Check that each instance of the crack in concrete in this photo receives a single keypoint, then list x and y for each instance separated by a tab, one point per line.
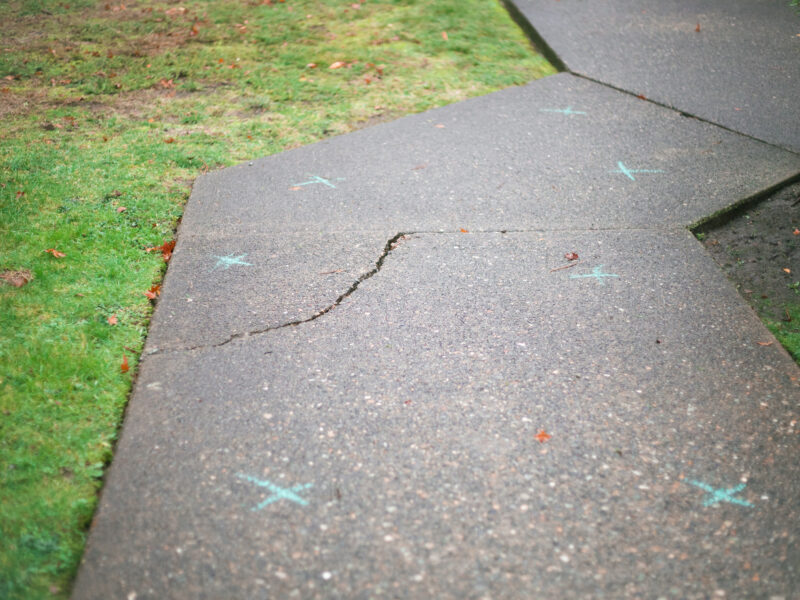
391	244
387	249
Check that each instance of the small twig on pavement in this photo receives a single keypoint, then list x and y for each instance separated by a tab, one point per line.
570	265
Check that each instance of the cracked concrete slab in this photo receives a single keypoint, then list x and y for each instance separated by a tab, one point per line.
389	448
560	153
221	286
741	69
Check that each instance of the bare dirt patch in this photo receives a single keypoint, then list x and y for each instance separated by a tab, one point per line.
375	119
759	249
17	278
14	103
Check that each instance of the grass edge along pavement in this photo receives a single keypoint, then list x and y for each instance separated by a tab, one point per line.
109	111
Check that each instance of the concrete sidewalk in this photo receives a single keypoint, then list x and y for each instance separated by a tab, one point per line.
373	373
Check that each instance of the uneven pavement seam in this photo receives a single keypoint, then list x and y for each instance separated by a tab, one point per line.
682	113
552	56
732	210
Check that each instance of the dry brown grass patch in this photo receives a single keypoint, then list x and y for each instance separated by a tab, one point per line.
17	278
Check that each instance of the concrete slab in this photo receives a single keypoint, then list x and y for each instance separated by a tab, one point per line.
560	153
740	70
389	448
228	284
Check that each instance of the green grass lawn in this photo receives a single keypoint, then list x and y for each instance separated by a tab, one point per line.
109	111
787	330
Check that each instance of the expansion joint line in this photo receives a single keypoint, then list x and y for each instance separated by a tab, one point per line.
387	249
683	113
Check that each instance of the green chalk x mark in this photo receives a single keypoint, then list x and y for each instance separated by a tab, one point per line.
278	493
228	261
720	495
322	180
563	111
596	273
629	172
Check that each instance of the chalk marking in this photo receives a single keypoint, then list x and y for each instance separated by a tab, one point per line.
720	495
228	261
629	172
278	493
318	179
565	111
596	273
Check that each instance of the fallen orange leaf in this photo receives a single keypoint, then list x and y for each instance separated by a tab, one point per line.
464	230
124	366
337	65
153	292
796	231
697	29
765	343
55	253
121	209
542	436
787	271
444	36
112	320
166	249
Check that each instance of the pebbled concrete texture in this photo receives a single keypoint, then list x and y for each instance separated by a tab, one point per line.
741	70
391	383
502	161
220	286
412	408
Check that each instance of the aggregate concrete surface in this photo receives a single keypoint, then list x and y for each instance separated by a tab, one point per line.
505	160
732	62
226	285
374	373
